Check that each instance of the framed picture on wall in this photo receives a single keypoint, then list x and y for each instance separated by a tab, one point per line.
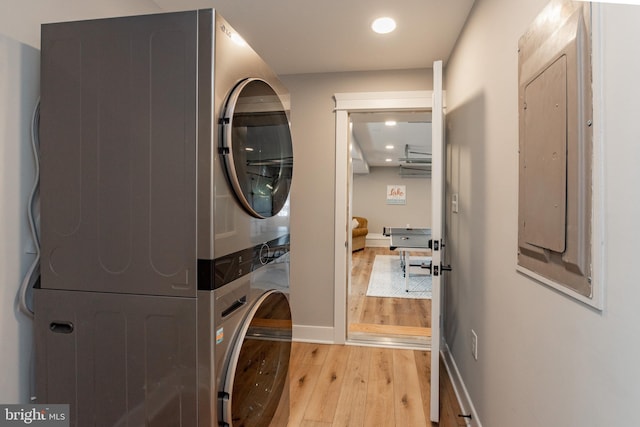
396	194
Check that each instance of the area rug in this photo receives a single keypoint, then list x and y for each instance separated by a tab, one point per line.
387	279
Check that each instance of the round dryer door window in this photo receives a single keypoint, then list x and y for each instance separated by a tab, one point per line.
256	147
256	385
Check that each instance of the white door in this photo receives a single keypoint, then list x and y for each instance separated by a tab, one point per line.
437	229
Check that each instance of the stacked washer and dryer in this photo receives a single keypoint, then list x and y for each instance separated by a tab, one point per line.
166	163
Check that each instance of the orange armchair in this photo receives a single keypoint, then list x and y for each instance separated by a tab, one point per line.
358	233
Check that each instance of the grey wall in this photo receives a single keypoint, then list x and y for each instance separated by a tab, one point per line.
544	359
369	200
312	192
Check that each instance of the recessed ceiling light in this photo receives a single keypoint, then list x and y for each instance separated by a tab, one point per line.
389	147
383	25
390	123
388	160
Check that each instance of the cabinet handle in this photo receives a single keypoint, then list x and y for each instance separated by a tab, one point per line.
61	327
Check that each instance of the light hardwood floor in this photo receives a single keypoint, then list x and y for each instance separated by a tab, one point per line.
365	386
356	386
384	317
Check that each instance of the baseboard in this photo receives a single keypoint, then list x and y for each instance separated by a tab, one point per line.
466	405
313	334
377	240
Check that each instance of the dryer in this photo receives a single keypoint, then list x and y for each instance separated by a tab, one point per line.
166	163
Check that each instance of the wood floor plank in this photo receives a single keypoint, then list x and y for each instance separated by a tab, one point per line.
309	353
303	379
407	396
379	406
381	311
397	386
390	329
423	367
307	423
351	408
324	400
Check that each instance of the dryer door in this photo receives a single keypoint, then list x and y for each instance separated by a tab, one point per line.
256	147
256	375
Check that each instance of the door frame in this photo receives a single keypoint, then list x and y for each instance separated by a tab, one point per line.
347	103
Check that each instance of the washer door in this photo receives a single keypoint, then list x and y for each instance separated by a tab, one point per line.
256	147
257	371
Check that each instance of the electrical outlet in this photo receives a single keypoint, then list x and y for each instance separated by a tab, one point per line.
474	344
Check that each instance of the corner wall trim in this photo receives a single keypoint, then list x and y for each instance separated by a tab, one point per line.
466	405
313	334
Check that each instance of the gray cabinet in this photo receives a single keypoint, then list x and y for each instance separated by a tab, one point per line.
117	359
118	155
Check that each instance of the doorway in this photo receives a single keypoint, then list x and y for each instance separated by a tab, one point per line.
390	155
386	101
351	310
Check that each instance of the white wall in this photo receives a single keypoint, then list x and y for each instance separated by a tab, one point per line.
312	191
21	19
369	200
18	93
544	359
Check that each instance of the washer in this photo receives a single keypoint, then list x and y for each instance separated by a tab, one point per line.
166	164
253	345
253	334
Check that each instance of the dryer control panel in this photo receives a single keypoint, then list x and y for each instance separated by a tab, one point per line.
213	274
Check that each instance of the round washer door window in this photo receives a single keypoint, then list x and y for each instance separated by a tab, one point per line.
256	147
257	371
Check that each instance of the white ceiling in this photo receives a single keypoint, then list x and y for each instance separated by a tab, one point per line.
407	143
304	36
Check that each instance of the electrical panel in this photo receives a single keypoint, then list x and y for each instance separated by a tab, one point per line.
555	147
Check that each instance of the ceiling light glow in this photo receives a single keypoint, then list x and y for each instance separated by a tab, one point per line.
237	39
388	160
389	147
383	25
390	123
